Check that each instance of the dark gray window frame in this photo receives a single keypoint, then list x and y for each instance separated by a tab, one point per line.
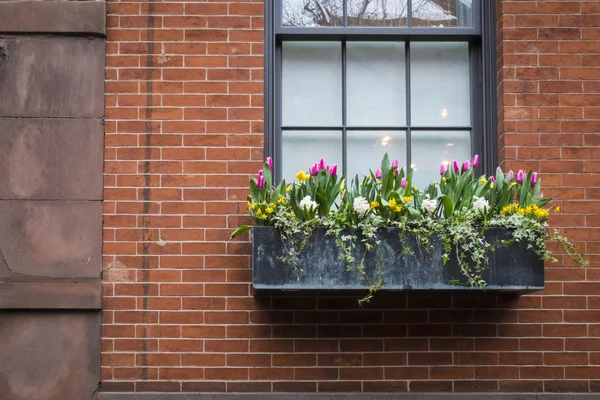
482	49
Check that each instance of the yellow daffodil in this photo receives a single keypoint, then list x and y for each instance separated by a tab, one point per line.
342	196
258	212
302	176
379	182
444	180
492	185
281	200
398	208
374	204
482	181
392	203
288	189
268	210
342	186
557	209
407	199
251	206
513	184
293	215
264	216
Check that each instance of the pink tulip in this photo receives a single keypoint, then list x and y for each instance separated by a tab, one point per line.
270	162
334	170
394	163
476	160
455	165
466	165
314	171
511	174
327	168
321	164
534	178
520	176
260	173
260	181
378	173
492	179
403	182
443	169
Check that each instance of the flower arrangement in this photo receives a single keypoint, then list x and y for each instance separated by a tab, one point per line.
459	208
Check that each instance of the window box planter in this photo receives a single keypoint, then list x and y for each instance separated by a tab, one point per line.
513	268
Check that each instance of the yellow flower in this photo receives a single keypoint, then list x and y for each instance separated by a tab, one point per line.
398	208
342	186
407	199
281	200
268	210
293	215
302	176
513	184
379	182
264	216
258	212
492	185
374	204
361	185
444	179
482	181
251	206
289	207
392	203
342	196
557	209
288	189
414	188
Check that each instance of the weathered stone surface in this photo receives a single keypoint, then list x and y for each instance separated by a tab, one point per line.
51	295
51	76
49	355
51	159
53	16
406	265
56	239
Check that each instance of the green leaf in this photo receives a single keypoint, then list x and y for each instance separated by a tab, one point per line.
254	191
240	230
448	206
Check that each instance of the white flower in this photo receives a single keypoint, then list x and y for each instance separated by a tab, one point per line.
480	205
308	203
361	206
429	205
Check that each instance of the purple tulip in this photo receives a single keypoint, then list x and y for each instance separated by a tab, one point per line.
378	173
466	165
270	162
260	173
492	179
520	176
534	178
314	171
334	170
321	164
443	169
476	160
394	163
260	181
455	165
403	182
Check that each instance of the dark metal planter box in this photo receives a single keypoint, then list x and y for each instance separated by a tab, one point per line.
513	268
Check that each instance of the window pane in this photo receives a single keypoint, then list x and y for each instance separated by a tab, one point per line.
301	149
376	84
440	90
313	13
366	149
312	83
442	13
377	13
430	149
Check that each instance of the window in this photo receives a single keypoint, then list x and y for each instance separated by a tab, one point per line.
350	80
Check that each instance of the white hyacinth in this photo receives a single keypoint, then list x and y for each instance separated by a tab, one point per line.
480	204
429	205
361	206
308	203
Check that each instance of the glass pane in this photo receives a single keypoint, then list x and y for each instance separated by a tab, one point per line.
430	149
377	13
366	149
301	149
313	13
312	84
442	13
376	84
440	90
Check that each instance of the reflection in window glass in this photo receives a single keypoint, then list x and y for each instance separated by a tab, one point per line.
377	12
366	149
312	84
376	81
301	149
313	13
442	13
430	149
440	90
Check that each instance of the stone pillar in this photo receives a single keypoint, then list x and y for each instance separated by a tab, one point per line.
51	150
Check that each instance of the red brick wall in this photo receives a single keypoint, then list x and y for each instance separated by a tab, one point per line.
184	130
